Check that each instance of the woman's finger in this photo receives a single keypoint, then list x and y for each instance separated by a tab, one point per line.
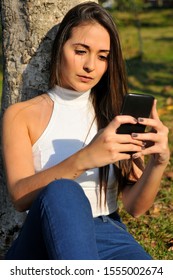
118	120
154	113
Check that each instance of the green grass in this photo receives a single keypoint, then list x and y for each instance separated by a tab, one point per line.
154	72
151	74
154	230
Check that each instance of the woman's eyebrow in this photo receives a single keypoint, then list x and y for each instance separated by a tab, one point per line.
87	47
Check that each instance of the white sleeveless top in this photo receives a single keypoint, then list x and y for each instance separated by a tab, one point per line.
70	128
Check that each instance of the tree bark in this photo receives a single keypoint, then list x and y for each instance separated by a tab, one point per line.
28	29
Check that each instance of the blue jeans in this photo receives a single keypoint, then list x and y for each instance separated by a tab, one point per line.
60	226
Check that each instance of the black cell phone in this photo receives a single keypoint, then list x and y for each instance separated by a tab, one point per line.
136	105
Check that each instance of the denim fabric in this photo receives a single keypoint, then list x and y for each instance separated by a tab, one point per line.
60	226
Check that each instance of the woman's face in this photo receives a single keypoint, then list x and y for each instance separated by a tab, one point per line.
85	57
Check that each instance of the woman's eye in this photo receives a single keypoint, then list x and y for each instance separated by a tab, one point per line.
104	58
80	52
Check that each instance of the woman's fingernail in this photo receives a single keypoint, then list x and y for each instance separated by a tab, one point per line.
134	156
135	120
140	119
134	135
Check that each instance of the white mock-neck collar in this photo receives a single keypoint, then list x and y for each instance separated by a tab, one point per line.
66	96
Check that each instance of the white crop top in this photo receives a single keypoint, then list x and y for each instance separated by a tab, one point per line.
70	128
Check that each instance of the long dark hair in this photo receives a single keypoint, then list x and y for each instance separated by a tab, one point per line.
108	94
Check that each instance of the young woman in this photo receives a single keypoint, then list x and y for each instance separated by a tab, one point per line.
64	161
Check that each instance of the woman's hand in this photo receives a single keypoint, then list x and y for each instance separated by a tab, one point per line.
156	141
108	147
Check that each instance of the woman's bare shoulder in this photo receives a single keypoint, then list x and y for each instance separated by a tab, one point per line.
27	107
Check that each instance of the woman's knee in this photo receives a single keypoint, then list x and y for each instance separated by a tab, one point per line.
64	191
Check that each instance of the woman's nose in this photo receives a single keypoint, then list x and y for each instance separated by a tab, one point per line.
89	64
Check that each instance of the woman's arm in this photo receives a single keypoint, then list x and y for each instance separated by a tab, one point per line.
23	183
139	198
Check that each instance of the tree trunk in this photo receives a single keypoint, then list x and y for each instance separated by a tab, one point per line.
28	29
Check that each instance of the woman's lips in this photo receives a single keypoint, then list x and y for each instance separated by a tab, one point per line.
85	78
